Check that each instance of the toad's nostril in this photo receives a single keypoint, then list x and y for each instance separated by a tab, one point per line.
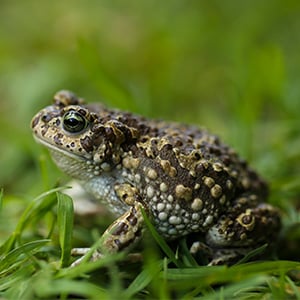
45	118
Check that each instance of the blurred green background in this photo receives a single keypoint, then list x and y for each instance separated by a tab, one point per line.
231	66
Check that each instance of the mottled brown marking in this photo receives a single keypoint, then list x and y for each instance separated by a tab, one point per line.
35	121
132	220
58	139
87	144
121	229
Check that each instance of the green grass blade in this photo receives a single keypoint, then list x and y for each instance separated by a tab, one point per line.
65	213
162	243
89	266
187	257
207	276
142	280
13	256
51	288
1	198
38	206
13	278
34	212
236	290
252	253
294	287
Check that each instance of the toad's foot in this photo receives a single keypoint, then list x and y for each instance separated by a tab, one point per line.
132	257
120	235
96	255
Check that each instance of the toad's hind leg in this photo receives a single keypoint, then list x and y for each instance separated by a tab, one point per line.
243	230
120	235
246	226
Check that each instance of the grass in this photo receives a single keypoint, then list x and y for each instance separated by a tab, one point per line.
37	269
232	67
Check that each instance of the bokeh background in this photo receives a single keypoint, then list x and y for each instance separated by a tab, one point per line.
231	66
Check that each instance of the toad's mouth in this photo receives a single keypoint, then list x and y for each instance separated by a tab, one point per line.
74	165
56	149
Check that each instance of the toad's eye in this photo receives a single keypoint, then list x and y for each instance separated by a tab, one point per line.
74	122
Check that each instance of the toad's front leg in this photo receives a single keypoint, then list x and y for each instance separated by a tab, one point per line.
124	232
